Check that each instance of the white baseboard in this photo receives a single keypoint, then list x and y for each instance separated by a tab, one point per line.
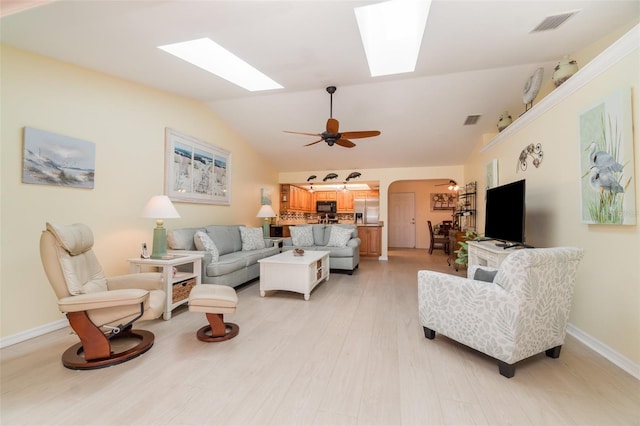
615	357
34	332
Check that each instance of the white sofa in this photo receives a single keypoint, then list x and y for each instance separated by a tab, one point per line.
345	258
521	312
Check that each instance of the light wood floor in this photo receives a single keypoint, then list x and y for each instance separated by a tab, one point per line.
354	354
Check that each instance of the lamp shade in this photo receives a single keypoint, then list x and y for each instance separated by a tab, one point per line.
160	207
266	211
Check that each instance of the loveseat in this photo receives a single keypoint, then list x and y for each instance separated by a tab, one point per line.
233	258
341	240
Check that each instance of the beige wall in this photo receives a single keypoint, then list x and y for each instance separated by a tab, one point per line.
126	122
607	296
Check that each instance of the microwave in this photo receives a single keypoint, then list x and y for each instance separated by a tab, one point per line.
326	206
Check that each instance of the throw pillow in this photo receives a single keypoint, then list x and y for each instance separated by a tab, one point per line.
301	236
484	275
205	243
252	238
339	236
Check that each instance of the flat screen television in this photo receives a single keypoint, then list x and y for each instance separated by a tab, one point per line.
505	213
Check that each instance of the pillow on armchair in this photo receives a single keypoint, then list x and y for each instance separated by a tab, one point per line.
485	275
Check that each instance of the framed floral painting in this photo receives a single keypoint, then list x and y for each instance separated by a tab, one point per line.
607	172
443	201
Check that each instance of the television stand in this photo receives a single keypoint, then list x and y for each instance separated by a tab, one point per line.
489	253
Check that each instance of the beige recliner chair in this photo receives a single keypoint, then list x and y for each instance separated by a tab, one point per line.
99	309
517	311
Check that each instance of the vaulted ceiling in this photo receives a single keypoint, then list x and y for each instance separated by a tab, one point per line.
475	58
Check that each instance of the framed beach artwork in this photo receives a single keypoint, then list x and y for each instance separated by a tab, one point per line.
607	172
52	159
265	196
195	171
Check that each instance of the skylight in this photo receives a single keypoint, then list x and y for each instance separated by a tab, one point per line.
210	56
392	33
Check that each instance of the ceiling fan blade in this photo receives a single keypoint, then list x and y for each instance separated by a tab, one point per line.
313	143
345	143
302	133
362	134
332	126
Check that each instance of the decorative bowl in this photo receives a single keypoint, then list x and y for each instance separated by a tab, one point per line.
298	252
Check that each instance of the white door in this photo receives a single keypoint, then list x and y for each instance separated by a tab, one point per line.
402	219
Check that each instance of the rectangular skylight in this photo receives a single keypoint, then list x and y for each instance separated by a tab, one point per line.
391	33
210	56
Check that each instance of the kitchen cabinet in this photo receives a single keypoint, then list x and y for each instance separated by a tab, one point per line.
295	199
325	195
345	201
370	240
366	194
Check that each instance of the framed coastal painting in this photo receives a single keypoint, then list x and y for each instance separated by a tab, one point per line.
53	159
265	196
607	174
195	171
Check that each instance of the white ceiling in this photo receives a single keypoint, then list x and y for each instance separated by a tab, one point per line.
475	58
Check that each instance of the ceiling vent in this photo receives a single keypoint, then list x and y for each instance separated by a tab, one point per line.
553	22
471	120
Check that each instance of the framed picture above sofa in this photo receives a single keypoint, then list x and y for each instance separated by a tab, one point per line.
196	171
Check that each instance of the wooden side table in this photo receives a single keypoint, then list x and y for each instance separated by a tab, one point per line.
173	284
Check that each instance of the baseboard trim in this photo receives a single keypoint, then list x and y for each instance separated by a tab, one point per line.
612	355
33	332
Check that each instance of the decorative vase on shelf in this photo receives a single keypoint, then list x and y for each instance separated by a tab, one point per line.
504	121
565	69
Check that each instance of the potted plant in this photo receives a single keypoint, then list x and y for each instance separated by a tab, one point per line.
463	251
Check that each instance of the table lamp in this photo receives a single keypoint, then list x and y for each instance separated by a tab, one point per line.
159	207
266	212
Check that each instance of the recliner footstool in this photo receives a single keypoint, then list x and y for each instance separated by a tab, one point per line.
215	301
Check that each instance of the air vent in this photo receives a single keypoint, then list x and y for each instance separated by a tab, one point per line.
553	22
471	120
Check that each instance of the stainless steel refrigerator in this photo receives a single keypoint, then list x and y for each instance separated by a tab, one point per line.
366	211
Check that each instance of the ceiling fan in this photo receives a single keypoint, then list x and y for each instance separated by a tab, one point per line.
452	185
331	136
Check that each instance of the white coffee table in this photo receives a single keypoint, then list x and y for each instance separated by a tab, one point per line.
301	274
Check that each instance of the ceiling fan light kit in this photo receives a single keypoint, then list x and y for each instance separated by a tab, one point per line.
332	135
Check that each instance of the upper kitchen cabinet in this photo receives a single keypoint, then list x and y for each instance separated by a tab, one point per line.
295	199
345	201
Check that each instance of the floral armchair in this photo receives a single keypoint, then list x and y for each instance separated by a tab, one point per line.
521	311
